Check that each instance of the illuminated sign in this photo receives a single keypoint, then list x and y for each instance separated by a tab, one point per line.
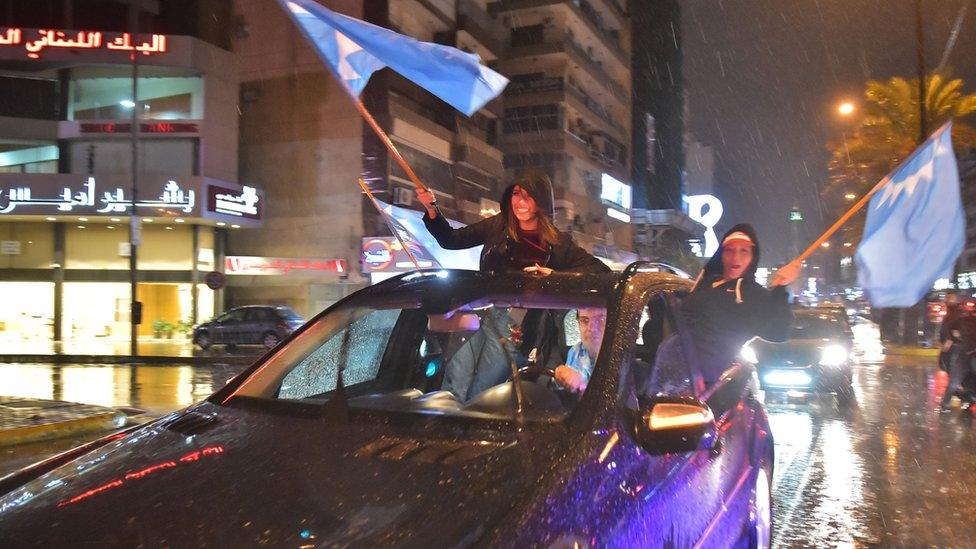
244	203
385	254
795	215
616	192
266	266
619	215
173	197
707	210
35	41
146	127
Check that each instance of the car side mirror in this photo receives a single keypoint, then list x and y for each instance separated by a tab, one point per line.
667	425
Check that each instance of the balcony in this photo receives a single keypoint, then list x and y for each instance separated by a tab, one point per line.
555	84
583	10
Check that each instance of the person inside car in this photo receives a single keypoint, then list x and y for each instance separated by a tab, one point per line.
574	375
521	237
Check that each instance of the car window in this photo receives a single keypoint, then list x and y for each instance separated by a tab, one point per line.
662	365
359	345
287	314
260	315
235	315
427	360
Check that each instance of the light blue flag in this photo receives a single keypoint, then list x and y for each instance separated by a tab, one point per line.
354	50
915	228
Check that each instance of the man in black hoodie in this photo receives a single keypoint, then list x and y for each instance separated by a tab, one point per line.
727	307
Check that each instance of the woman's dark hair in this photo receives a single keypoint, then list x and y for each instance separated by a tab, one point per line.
537	184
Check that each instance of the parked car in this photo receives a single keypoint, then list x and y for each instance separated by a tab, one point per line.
249	325
421	412
816	359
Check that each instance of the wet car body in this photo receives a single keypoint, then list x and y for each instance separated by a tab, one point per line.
815	360
248	325
240	469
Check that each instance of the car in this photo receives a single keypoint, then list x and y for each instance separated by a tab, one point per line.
422	412
815	360
248	325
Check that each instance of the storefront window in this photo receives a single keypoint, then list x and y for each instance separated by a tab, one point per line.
27	315
160	98
34	157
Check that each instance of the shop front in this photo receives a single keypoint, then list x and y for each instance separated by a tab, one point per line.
65	255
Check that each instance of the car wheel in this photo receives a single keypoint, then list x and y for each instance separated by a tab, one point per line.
270	340
203	340
761	512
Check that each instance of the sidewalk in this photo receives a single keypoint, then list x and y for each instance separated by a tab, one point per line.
908	350
108	351
25	420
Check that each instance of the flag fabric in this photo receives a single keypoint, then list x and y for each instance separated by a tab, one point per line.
915	228
409	224
354	50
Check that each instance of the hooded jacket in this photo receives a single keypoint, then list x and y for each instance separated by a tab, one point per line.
499	247
724	316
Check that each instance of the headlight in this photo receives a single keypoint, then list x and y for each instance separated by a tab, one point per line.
749	354
833	355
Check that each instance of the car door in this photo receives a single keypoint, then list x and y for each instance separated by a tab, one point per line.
733	402
257	320
228	326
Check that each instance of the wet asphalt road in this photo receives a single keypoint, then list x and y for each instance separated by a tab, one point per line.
890	471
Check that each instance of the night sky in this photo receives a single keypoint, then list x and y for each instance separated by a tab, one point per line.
764	77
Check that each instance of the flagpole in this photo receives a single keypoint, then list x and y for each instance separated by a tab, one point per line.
855	208
396	233
386	140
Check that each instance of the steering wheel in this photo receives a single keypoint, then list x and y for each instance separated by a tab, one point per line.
534	370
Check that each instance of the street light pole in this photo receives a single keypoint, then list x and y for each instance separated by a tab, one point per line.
923	132
135	307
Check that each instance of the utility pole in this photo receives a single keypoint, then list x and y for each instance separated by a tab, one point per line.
135	310
923	132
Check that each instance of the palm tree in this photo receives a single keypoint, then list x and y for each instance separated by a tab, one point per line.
888	133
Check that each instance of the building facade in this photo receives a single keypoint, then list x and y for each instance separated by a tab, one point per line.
302	137
66	201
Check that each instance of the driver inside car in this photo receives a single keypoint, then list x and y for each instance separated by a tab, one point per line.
575	374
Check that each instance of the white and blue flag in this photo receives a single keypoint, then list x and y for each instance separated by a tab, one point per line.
354	50
915	228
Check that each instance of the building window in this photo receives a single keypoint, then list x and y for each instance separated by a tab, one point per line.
160	98
528	36
533	118
20	157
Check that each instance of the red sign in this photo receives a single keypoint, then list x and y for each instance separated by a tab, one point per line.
146	127
36	41
248	265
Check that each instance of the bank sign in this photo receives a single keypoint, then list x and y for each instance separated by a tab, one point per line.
71	194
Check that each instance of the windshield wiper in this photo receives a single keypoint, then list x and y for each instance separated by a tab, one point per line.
338	406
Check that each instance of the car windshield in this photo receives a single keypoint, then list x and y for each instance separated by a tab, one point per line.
457	360
816	326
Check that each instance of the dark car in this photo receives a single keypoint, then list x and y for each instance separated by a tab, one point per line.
250	325
422	412
816	359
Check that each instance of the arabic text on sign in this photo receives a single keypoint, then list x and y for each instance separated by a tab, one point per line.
173	197
244	204
248	265
36	41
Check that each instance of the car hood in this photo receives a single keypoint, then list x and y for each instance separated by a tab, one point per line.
798	353
224	476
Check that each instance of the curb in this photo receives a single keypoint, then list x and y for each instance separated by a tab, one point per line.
911	351
127	359
105	421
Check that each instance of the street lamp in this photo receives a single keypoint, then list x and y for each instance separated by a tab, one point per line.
846	108
825	245
850	196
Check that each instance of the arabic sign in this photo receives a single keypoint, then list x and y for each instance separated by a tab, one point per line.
145	127
249	265
244	203
83	194
385	254
35	41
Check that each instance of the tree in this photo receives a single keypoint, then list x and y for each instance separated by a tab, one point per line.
886	134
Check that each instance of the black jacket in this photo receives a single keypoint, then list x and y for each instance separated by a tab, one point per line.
724	318
492	232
